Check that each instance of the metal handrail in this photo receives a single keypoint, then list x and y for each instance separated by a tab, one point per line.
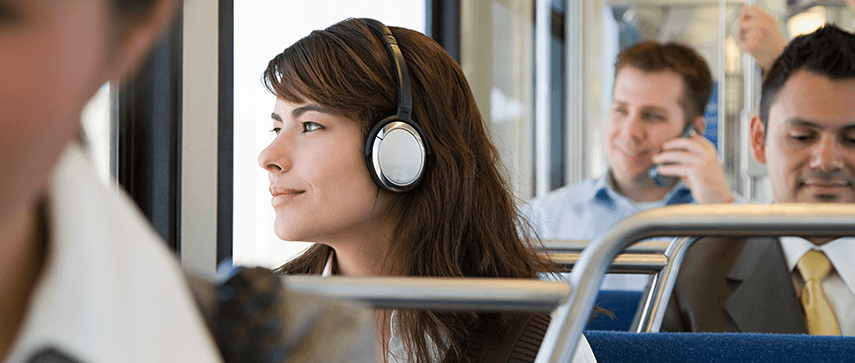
625	263
577	245
469	294
653	309
472	294
569	320
466	294
641	258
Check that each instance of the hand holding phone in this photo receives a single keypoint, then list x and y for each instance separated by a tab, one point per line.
663	180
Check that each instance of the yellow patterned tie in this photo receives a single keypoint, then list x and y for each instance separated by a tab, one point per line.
813	267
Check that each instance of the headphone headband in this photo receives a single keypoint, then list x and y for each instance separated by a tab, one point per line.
395	151
405	97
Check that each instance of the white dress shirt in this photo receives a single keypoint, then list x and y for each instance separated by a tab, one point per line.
398	353
110	290
840	282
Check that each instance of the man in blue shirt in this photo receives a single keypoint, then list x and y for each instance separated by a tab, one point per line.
659	94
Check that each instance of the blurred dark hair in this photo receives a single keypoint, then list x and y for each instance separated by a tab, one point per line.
829	51
652	56
131	9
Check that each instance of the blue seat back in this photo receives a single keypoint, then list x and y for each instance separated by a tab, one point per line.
622	304
719	347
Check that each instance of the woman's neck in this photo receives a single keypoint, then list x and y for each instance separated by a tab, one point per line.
21	260
361	249
363	252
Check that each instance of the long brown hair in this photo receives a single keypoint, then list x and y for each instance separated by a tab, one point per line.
461	220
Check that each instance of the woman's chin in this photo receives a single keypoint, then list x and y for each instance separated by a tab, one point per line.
287	234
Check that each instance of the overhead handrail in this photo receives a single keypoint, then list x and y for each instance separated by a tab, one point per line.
569	319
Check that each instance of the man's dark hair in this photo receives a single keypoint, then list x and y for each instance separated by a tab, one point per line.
130	10
651	56
829	52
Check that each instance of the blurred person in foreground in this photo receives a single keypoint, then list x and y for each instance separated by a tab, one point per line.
83	277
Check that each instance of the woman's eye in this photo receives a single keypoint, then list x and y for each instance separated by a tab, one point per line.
312	126
276	130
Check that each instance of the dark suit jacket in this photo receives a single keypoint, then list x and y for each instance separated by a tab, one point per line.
735	286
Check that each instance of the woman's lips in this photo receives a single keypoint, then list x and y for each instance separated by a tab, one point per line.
283	195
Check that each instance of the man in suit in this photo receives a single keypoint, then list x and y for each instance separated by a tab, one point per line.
805	134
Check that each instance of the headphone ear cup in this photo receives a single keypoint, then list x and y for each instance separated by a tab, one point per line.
395	153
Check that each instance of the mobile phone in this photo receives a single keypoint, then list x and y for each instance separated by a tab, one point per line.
663	180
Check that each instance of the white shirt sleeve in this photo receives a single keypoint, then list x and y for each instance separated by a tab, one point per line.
583	353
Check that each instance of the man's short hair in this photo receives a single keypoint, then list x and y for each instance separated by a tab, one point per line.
829	51
652	56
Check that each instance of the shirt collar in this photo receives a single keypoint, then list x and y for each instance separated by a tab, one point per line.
839	252
679	194
328	267
110	290
604	189
397	351
598	190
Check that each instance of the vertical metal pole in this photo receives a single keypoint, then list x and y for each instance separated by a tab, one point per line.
542	82
575	100
722	75
199	148
750	89
225	132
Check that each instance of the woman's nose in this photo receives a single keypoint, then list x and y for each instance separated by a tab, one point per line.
274	157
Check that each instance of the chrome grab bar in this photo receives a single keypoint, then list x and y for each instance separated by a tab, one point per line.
469	294
569	319
466	294
653	310
577	245
642	258
625	263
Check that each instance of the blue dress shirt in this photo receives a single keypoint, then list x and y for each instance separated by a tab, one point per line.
587	210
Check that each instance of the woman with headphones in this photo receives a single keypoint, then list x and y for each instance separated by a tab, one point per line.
381	157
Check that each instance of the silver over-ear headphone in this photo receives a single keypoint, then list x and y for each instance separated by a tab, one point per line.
395	149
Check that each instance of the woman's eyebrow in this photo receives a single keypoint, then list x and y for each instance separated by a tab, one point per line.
310	107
